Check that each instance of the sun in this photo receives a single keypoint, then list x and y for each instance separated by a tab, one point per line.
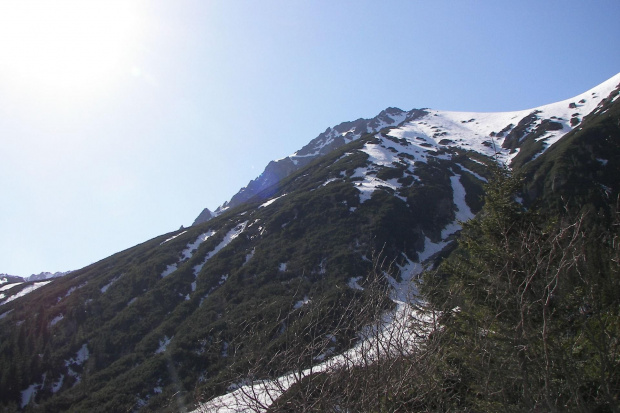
69	48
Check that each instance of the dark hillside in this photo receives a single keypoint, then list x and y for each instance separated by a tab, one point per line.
583	169
165	321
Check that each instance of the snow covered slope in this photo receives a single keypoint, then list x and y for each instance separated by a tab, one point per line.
400	155
499	134
491	133
331	139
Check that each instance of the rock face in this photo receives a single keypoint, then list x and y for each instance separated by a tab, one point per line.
10	279
46	276
266	183
204	216
525	134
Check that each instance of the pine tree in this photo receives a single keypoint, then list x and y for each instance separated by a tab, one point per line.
521	330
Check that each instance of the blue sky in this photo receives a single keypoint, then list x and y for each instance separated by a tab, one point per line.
121	120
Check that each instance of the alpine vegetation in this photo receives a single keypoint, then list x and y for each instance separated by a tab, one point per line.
420	260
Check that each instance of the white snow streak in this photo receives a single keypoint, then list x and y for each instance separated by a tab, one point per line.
56	319
29	394
163	344
9	286
25	291
271	201
169	270
172	237
228	238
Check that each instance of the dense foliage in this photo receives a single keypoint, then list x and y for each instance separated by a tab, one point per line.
531	310
524	316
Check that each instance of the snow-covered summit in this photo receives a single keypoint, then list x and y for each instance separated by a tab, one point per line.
498	134
332	138
492	133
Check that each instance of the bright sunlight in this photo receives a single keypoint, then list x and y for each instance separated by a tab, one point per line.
65	48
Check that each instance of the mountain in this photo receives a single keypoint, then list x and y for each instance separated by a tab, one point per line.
6	278
46	276
286	264
526	134
327	141
9	279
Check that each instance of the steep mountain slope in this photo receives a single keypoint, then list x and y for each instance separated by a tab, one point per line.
583	169
515	137
183	316
327	141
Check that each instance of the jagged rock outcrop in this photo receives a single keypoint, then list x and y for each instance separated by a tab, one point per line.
204	216
331	139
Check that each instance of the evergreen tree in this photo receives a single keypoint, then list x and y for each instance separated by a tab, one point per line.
531	311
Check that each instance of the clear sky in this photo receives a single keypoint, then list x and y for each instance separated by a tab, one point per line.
121	120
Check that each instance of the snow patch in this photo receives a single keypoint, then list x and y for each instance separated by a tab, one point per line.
29	394
56	319
108	285
80	357
172	237
169	270
9	286
187	253
353	283
56	386
163	344
463	213
271	201
71	290
301	303
25	291
249	256
329	181
228	238
190	248
3	315
479	177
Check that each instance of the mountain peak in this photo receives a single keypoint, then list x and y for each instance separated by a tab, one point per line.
204	216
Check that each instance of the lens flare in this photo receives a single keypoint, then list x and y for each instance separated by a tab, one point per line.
65	48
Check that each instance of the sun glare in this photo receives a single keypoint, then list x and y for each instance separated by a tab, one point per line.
68	48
